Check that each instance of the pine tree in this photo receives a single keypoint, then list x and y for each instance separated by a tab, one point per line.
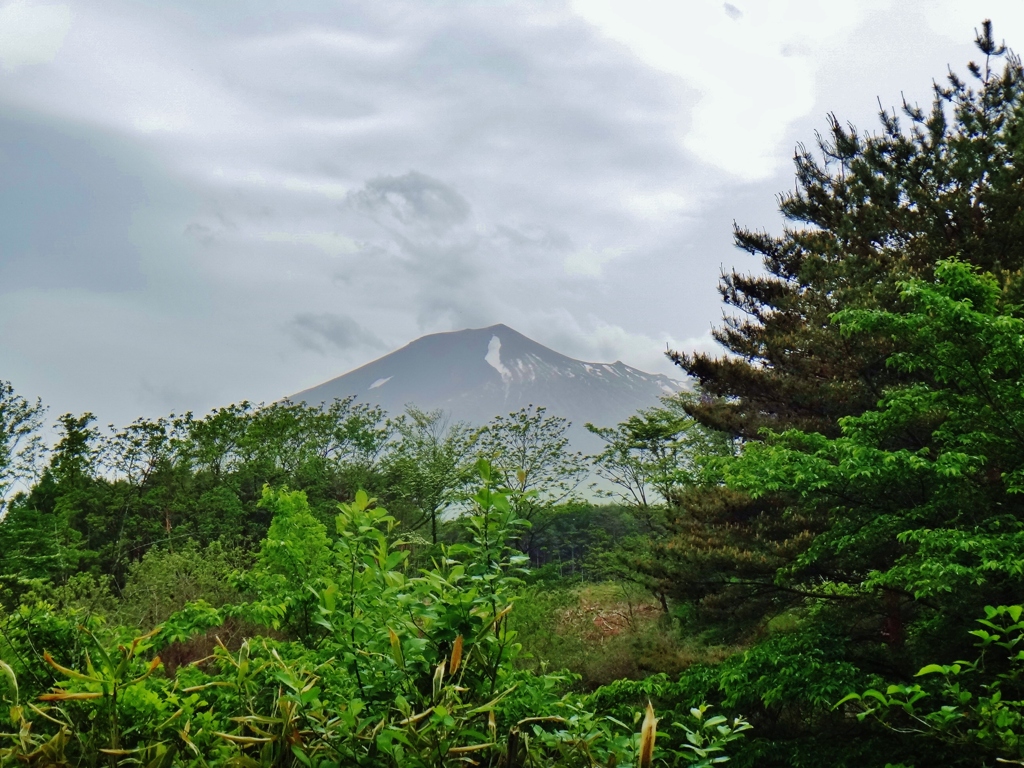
868	566
873	210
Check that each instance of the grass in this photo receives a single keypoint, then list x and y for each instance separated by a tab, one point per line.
604	632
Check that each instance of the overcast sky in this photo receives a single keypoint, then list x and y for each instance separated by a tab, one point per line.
204	202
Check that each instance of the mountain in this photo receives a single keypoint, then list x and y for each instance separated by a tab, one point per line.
477	374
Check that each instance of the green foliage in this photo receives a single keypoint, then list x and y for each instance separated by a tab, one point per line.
107	497
96	714
875	380
529	451
603	632
296	546
656	453
978	704
165	581
21	445
430	467
944	514
369	663
564	542
909	515
707	737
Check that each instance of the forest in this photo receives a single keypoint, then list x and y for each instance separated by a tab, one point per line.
815	559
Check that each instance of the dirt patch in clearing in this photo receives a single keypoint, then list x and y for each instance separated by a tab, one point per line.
597	620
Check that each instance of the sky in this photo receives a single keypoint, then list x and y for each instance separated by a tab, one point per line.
202	202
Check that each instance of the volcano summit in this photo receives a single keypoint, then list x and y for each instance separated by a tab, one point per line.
477	374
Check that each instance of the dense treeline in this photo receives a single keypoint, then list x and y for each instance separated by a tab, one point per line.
818	561
144	567
102	498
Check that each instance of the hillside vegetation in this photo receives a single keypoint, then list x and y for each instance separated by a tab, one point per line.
817	560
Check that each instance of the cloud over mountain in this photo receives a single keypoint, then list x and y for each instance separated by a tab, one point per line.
206	187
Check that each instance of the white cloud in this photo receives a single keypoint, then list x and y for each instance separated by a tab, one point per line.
645	351
590	261
754	66
120	71
270	179
31	33
658	205
330	243
337	42
593	339
957	20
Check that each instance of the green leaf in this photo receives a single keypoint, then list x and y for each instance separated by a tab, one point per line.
876	695
846	698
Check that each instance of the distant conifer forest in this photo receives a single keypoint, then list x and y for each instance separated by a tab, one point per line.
815	559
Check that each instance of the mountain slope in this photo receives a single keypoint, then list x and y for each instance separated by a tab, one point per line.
479	373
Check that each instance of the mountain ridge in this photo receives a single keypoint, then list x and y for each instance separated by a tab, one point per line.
479	373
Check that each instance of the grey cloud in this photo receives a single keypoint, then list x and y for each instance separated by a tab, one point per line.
732	11
428	229
67	202
325	332
201	233
165	398
215	229
533	238
463	149
284	190
411	200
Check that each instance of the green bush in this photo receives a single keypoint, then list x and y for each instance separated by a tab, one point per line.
362	662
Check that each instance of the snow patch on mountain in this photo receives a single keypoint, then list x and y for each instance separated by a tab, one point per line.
493	358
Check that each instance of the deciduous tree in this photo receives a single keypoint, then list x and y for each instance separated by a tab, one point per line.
21	442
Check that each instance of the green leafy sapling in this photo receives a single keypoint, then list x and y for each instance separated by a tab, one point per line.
978	703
